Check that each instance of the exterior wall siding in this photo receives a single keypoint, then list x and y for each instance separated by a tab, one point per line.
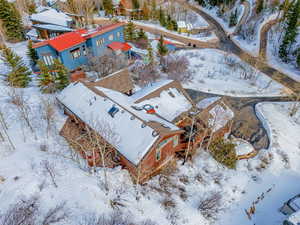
46	50
100	50
69	62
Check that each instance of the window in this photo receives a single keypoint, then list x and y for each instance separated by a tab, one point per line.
48	59
111	37
113	111
118	34
175	141
100	42
75	53
84	50
157	154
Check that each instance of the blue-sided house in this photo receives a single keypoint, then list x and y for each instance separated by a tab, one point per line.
72	48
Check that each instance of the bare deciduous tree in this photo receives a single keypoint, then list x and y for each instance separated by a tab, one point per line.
48	113
105	64
177	67
26	211
48	169
210	205
18	99
146	74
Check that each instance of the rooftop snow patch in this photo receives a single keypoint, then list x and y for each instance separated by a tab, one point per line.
52	16
170	104
204	103
127	103
52	27
221	115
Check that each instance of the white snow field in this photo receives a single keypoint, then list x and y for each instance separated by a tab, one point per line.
217	72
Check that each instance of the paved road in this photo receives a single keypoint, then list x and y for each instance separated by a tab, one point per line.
264	37
246	124
213	43
228	45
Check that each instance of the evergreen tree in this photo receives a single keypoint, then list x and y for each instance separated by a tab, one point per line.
62	75
260	6
224	152
162	17
233	19
291	31
175	26
145	11
162	49
298	58
11	21
169	23
31	53
130	31
108	7
150	56
153	9
19	74
135	4
142	35
46	78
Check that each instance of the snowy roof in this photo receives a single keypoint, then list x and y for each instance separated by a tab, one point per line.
32	33
183	24
52	16
52	27
295	218
150	88
204	103
221	115
138	50
135	139
170	104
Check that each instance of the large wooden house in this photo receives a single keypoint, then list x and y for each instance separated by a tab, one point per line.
143	130
72	48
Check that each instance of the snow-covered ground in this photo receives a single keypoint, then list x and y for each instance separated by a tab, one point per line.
289	69
167	199
216	72
252	45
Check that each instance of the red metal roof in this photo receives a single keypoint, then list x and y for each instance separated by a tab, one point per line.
71	39
119	46
65	41
102	30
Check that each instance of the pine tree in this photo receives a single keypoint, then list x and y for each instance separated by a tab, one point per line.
108	7
162	17
175	26
130	31
298	58
19	74
153	9
233	19
162	49
291	31
260	6
11	21
169	23
46	78
150	56
62	74
145	11
142	35
31	53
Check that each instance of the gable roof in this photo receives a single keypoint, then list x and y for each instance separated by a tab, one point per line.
119	81
51	16
167	97
104	29
119	46
65	41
